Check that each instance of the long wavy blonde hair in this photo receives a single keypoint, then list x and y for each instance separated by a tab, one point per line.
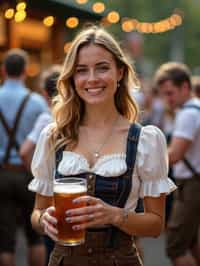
68	109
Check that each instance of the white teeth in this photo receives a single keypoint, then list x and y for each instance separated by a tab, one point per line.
94	91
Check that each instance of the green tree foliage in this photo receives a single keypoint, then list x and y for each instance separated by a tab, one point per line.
165	46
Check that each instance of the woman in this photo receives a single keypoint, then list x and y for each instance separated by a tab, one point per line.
95	136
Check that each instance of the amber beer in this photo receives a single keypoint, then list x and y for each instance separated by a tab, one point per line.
65	190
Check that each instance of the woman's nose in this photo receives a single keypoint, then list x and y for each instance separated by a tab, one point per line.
92	76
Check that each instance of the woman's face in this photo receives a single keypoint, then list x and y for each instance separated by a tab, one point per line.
96	75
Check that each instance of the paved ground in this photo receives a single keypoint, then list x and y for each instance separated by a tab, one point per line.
154	253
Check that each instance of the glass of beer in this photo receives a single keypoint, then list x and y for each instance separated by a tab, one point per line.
65	191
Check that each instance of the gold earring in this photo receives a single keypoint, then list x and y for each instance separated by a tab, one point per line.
118	84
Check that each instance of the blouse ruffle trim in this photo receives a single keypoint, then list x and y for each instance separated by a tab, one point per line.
106	165
43	187
154	188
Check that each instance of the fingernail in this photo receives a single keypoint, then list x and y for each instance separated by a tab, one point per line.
68	220
68	213
76	201
76	227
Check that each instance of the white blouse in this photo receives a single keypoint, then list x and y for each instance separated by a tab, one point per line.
149	174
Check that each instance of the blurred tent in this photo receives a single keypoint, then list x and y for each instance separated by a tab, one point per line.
43	28
64	8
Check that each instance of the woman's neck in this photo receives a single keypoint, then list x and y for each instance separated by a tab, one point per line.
96	116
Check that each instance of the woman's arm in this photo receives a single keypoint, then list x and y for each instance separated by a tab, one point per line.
41	204
149	223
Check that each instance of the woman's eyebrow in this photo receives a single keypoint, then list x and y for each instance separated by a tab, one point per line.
102	63
81	65
97	64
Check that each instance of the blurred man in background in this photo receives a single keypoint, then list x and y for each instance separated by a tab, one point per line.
174	82
19	110
48	87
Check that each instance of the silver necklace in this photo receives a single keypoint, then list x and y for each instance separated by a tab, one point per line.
96	153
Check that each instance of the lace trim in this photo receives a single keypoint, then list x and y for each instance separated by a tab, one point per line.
99	161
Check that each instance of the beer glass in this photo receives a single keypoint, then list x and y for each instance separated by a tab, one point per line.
65	191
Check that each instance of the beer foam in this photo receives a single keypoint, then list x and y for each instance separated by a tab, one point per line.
69	188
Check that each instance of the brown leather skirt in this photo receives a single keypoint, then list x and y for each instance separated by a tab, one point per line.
94	253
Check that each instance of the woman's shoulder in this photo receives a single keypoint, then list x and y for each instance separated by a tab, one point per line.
148	131
151	138
152	131
152	159
48	130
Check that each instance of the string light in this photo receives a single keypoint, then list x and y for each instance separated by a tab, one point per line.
67	46
145	27
128	25
48	21
20	16
72	22
9	13
98	7
21	6
167	24
113	17
81	2
159	27
134	22
176	19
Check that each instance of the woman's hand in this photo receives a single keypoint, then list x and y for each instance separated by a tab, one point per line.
95	213
48	222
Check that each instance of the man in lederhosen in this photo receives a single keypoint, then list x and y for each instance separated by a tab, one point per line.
174	82
18	112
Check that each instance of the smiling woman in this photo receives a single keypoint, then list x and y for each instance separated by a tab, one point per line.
96	75
95	136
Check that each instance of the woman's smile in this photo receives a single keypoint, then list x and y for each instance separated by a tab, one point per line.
95	91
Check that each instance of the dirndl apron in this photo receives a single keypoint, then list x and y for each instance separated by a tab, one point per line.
106	246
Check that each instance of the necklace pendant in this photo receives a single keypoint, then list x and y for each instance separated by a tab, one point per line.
96	154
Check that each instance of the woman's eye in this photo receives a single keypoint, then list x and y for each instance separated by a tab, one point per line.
81	70
103	68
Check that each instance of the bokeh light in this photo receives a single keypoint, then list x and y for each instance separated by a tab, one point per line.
81	2
98	7
67	46
33	69
127	25
20	16
9	13
72	22
48	21
21	6
113	17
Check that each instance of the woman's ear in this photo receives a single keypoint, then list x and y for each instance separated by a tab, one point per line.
120	73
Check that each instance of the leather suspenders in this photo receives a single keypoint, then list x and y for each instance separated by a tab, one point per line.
11	132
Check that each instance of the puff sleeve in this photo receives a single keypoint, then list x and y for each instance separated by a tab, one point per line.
43	164
152	163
